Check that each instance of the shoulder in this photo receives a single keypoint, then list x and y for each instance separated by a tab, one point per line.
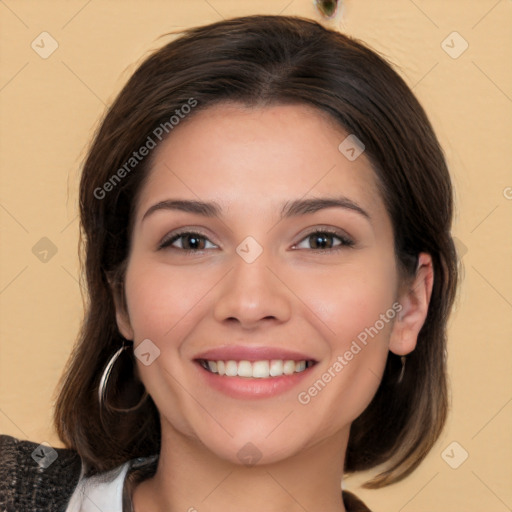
36	477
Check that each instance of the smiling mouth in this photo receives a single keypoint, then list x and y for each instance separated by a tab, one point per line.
263	369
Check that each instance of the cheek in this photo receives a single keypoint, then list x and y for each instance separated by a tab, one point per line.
350	299
356	304
160	301
163	305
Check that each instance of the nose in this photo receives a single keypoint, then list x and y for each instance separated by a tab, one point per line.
252	295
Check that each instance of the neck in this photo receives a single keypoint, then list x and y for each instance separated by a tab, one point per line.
191	478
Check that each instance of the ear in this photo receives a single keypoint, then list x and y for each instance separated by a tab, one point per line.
414	299
122	318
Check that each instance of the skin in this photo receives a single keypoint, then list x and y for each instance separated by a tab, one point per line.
313	300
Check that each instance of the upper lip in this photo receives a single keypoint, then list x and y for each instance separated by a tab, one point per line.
245	353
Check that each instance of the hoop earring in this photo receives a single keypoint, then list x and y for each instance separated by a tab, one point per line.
102	390
402	371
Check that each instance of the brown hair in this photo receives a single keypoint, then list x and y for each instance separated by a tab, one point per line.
258	61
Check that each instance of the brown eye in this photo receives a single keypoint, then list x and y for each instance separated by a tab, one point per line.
193	242
188	241
325	241
321	241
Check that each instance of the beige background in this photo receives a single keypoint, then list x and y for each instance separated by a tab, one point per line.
49	108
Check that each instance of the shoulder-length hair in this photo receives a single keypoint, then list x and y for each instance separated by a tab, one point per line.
259	61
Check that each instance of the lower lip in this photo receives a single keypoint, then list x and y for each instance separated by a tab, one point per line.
244	387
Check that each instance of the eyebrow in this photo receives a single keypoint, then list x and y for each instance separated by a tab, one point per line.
290	209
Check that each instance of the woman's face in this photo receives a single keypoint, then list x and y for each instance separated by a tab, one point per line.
258	285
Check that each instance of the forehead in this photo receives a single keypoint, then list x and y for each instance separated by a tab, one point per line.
246	156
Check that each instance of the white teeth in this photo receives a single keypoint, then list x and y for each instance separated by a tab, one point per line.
257	369
244	368
276	367
289	367
260	370
231	368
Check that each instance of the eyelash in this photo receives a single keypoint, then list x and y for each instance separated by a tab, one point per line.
345	241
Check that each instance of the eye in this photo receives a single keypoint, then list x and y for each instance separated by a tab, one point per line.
319	240
188	241
323	240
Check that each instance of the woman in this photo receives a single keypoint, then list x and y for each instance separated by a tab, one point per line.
266	218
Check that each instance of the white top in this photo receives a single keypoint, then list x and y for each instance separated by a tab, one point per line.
103	491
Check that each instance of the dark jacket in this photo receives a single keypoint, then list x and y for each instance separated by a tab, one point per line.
26	486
